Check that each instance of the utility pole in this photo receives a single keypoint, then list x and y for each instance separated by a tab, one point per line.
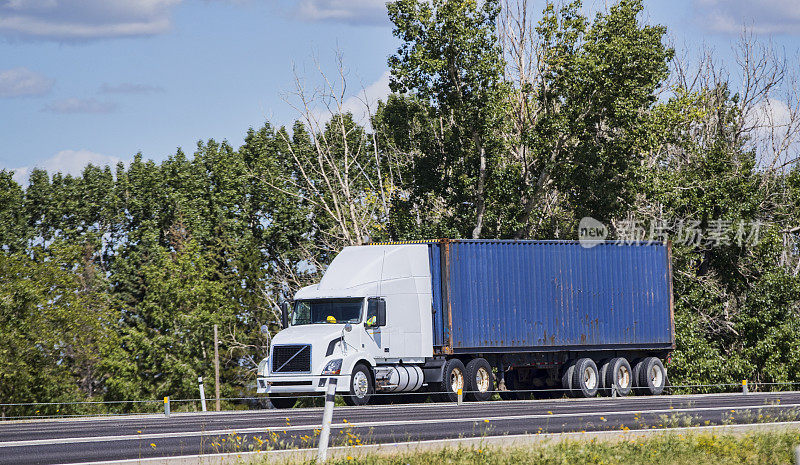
216	365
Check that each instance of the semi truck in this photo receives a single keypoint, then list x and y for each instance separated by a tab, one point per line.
511	317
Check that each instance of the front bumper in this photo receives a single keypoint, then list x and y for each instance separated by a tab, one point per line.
300	384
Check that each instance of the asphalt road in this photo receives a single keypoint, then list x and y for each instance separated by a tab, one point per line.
115	438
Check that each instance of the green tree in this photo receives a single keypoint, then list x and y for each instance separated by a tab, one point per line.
54	334
451	60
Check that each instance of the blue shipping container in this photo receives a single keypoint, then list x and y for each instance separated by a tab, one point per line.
496	295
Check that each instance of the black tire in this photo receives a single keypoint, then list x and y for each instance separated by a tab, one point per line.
282	402
447	389
603	366
361	386
652	376
617	370
637	368
479	390
585	378
567	373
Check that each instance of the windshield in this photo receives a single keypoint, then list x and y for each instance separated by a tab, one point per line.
307	312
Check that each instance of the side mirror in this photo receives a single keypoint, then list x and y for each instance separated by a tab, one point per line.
348	327
381	313
285	314
265	330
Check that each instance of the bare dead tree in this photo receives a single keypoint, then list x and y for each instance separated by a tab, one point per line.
336	175
525	66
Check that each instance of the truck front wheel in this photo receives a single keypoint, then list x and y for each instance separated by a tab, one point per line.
361	387
480	381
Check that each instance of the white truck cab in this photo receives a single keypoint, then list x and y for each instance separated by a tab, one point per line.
368	323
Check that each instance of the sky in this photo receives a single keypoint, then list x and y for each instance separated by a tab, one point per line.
96	81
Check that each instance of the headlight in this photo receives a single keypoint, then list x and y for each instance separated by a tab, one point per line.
333	367
262	367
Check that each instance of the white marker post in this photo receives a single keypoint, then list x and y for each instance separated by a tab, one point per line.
202	393
744	387
327	416
797	455
460	396
166	406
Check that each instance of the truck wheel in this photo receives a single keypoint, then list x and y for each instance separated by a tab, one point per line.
282	402
652	376
452	381
567	372
617	370
361	388
585	379
480	381
637	369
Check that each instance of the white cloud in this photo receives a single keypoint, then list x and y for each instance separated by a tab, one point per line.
66	162
76	105
85	19
343	11
368	96
762	16
773	132
129	88
769	112
361	104
19	82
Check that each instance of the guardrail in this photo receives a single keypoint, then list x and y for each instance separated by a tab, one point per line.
150	406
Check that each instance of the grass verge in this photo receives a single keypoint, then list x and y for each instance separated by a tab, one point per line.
763	448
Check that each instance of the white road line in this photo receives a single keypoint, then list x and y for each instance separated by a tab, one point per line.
225	432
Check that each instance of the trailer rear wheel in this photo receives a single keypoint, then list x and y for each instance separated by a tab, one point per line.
480	381
452	381
652	376
637	369
567	373
586	379
617	371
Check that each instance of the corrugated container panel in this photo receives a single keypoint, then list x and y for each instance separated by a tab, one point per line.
553	294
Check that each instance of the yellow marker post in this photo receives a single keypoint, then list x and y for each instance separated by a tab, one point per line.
166	406
744	386
460	396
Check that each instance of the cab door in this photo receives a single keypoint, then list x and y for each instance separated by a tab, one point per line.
377	340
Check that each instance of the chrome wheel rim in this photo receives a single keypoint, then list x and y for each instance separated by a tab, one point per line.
656	376
456	380
623	377
589	378
482	379
360	384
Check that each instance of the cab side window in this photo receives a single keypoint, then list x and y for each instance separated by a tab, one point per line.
372	313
